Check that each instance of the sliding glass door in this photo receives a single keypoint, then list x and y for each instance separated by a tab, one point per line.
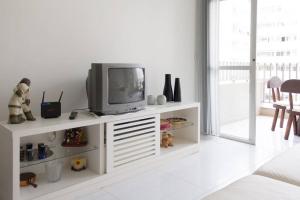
236	69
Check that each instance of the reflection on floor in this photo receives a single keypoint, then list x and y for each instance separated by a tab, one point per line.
218	163
240	129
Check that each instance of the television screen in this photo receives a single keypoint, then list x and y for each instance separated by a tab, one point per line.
126	85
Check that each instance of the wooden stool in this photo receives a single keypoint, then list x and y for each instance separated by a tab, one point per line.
274	84
292	86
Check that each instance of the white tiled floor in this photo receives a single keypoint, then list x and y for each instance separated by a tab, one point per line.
218	163
263	125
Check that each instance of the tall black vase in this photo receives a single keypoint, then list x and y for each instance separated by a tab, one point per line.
168	91
177	90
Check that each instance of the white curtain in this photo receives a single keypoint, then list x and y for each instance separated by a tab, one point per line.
212	110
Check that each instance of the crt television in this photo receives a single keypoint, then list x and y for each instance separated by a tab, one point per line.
116	88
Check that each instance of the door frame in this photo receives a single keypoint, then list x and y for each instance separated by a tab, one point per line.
253	29
252	73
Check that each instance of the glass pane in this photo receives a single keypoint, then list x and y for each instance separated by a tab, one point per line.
278	44
234	51
234	103
234	29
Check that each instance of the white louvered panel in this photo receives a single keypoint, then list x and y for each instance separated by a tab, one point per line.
133	148
133	159
132	133
126	155
137	122
132	144
133	128
132	140
137	138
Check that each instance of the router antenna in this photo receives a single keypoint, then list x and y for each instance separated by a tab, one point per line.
43	97
60	96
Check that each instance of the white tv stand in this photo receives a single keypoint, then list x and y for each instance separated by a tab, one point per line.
118	146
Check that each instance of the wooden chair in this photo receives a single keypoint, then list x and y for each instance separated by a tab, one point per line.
292	87
274	84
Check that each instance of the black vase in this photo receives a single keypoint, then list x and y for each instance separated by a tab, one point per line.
177	90
168	91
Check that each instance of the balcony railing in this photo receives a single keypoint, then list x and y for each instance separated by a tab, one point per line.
284	71
265	71
233	72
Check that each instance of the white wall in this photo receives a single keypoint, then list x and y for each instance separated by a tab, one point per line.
53	42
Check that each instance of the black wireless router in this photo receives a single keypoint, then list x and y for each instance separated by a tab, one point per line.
51	109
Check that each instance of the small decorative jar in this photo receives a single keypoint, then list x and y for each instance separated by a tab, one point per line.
161	99
29	151
54	170
151	100
41	151
22	154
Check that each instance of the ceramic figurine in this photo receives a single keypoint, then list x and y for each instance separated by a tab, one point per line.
167	140
78	164
151	100
19	104
161	99
75	137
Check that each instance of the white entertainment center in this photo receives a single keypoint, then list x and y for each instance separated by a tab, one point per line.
117	146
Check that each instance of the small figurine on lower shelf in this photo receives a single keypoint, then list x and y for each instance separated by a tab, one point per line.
167	140
75	137
78	164
28	178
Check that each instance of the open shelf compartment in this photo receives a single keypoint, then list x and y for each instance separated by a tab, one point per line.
69	178
62	154
184	135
